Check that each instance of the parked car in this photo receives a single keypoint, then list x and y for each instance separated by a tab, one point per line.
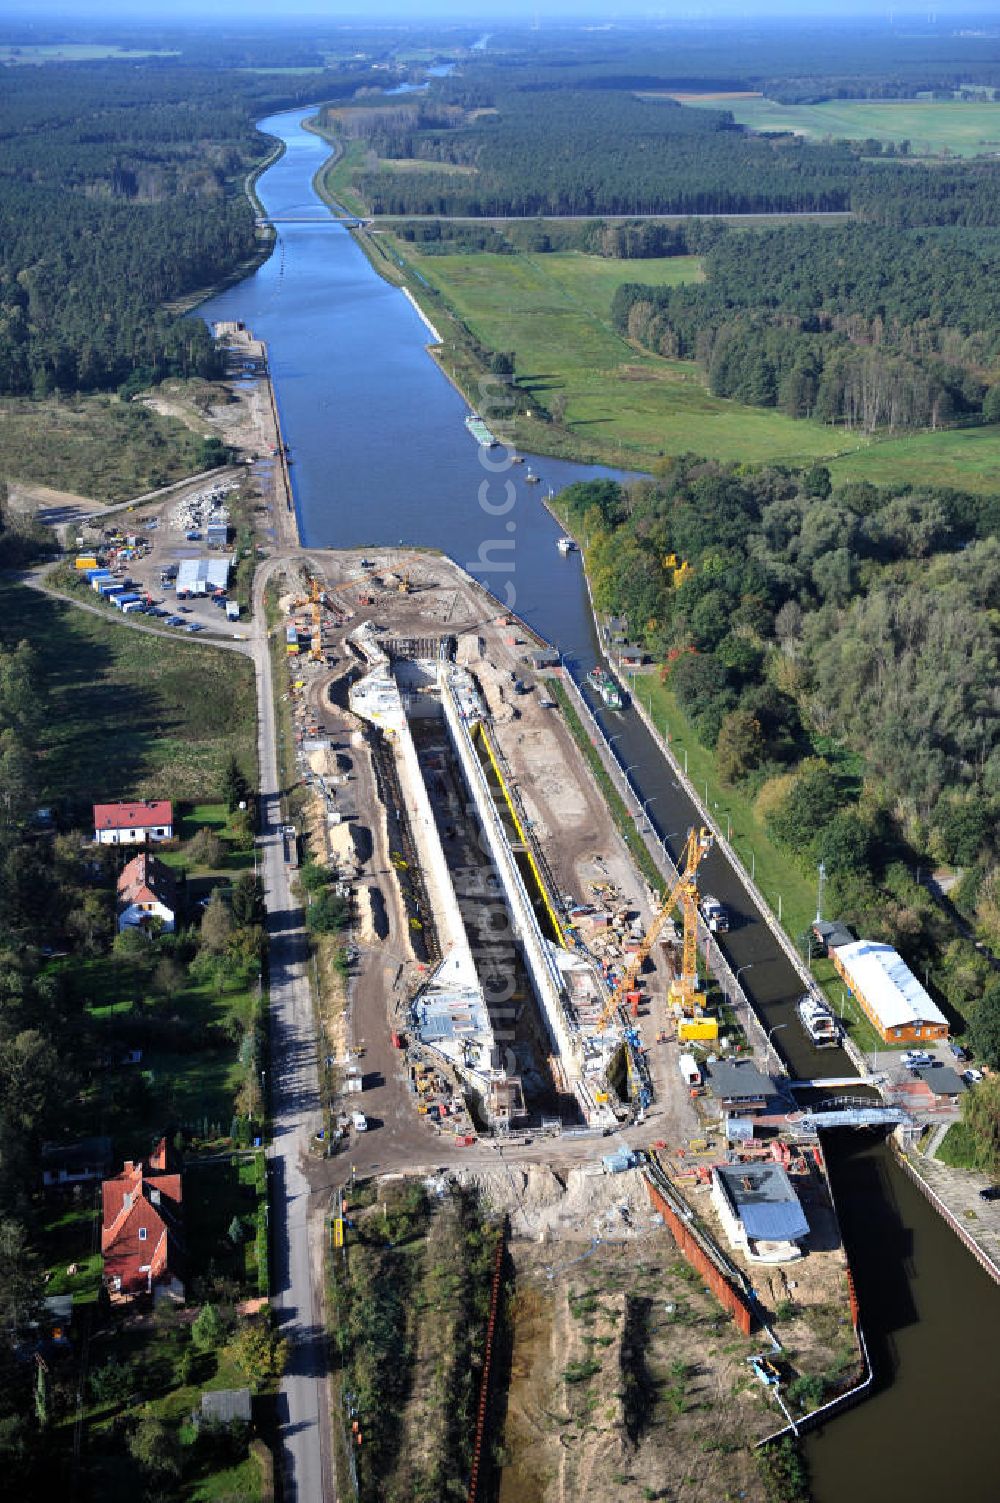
971	1076
194	626
992	1192
917	1059
958	1051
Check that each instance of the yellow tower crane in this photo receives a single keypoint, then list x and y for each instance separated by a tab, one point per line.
315	592
685	893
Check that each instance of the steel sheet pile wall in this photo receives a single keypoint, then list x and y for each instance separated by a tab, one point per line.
729	1297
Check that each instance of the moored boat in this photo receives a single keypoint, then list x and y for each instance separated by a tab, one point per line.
818	1022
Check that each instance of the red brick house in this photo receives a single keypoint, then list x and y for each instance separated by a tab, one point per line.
141	1230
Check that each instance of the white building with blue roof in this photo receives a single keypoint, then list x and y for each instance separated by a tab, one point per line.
760	1211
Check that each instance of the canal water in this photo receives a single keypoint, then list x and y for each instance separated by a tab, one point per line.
380	455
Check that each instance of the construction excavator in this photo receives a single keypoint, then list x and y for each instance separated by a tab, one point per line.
684	893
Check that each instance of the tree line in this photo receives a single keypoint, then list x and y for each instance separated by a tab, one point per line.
837	650
867	326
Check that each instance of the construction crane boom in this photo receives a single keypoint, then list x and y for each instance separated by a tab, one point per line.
315	592
684	892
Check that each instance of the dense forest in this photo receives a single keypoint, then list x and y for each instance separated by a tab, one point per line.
121	189
489	148
840	651
796	63
869	327
602	151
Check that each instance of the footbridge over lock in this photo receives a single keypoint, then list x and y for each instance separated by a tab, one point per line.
847	1111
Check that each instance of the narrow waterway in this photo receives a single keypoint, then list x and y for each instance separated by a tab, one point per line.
381	455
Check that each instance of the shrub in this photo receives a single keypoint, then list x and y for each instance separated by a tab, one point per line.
327	914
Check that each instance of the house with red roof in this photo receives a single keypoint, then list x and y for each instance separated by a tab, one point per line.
134	824
146	891
142	1229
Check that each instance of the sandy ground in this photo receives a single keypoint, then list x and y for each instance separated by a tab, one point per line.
625	1379
53	507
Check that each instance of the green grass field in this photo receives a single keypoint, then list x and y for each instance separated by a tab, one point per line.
77	52
962	127
555	312
189	1072
334	181
619	404
132	715
967	458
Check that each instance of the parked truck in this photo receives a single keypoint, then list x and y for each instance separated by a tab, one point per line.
690	1071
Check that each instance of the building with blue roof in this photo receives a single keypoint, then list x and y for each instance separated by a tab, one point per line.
760	1211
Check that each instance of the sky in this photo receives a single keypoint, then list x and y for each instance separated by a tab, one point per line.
474	12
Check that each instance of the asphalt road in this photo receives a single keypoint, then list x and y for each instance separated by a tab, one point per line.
295	1108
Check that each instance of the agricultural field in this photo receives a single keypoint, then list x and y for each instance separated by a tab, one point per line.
964	128
96	446
554	311
76	52
132	715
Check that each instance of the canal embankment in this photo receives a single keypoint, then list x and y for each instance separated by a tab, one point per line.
954	1195
266	449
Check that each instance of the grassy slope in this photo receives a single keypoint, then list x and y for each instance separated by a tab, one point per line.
554	311
931	126
334	180
968	458
95	446
132	714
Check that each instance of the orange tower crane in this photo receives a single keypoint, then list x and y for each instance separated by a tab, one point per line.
685	894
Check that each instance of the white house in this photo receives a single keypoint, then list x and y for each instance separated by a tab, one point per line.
759	1211
146	891
133	824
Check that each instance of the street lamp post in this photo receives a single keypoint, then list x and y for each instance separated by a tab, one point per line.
770	1046
742	968
645	810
